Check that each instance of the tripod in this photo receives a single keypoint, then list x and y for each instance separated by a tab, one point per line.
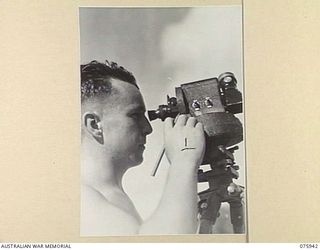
221	189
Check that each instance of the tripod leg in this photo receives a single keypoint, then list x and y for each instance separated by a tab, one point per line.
237	216
209	210
205	226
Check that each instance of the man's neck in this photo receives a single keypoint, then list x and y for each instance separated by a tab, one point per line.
101	175
99	171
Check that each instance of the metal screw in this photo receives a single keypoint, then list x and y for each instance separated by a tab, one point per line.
204	205
196	105
208	102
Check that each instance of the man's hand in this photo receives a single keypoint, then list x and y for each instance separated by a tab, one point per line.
184	140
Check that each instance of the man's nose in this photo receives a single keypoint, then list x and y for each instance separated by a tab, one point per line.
147	129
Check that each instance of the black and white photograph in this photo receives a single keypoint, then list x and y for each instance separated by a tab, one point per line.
162	121
176	122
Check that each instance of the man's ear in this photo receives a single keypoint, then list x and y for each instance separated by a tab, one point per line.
92	125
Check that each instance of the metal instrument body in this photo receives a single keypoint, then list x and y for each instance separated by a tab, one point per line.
213	102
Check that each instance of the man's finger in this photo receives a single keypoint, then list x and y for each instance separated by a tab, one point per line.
191	122
168	122
181	121
199	126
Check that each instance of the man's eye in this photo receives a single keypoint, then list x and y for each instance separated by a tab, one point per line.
135	115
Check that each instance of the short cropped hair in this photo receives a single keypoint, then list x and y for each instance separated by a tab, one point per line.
95	78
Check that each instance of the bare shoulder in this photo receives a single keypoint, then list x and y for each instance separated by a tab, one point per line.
99	217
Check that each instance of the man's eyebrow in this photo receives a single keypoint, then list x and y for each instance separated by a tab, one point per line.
137	108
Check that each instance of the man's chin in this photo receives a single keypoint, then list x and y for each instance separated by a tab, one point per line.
135	160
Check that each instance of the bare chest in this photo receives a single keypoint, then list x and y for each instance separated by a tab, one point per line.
113	216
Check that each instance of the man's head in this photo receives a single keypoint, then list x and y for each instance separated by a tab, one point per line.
95	78
113	110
